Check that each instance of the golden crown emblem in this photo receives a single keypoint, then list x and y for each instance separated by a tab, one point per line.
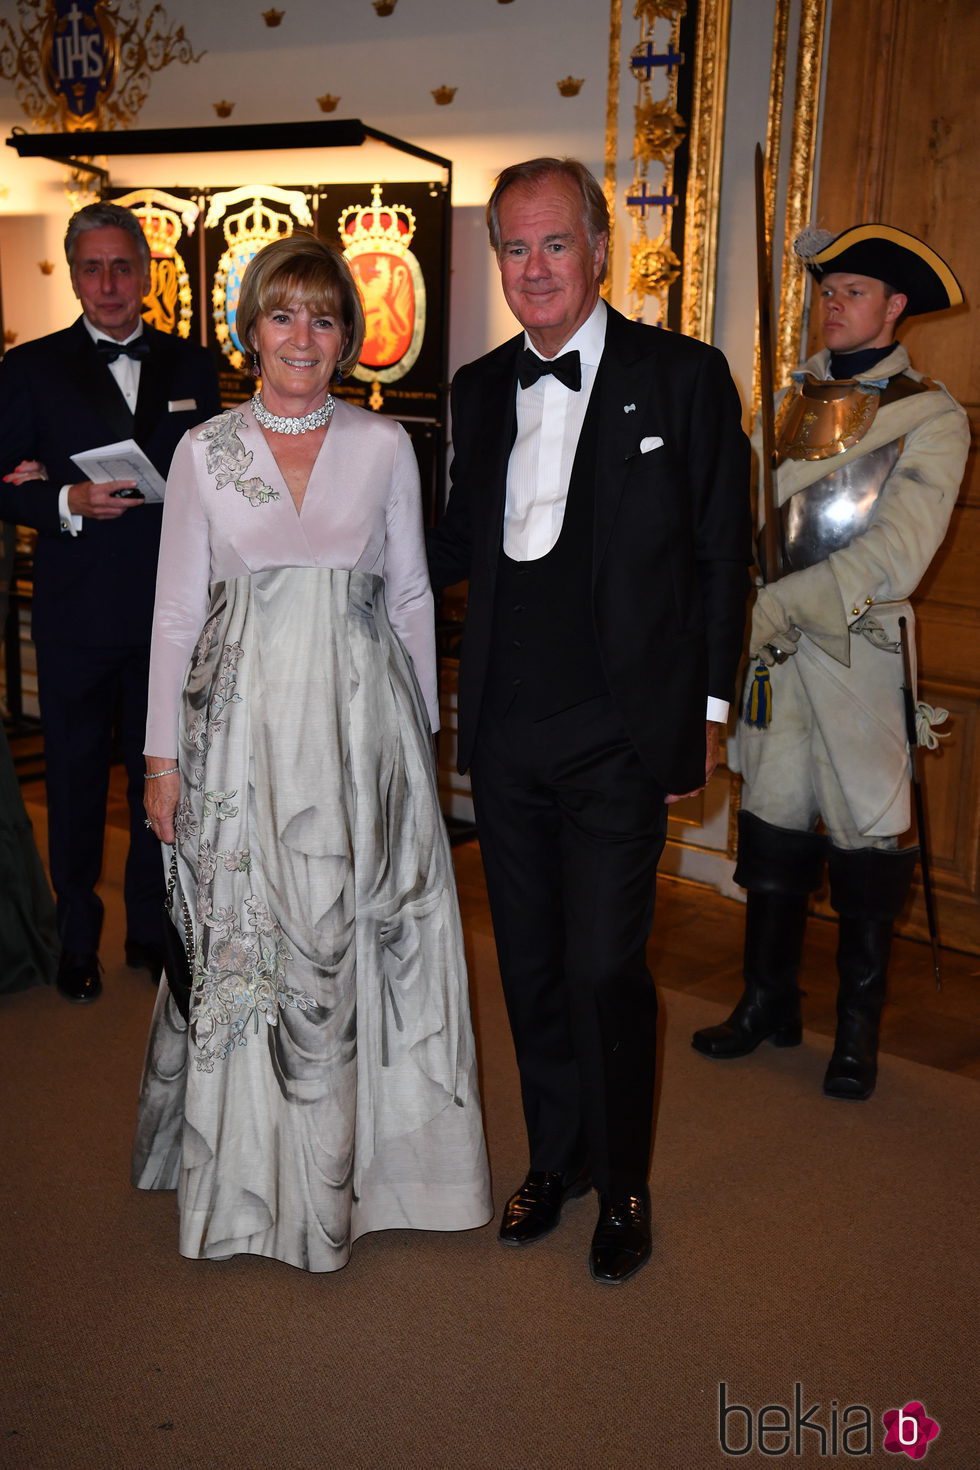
258	222
162	230
387	228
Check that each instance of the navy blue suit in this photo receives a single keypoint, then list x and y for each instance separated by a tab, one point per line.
93	597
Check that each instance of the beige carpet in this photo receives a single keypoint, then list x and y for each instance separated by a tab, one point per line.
797	1240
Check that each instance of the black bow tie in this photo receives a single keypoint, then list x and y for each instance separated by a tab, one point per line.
567	369
138	348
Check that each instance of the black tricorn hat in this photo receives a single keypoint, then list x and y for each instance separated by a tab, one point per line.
893	256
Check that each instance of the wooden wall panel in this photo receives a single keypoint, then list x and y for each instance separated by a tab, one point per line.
900	145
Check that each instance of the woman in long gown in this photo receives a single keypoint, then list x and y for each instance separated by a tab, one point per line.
326	1084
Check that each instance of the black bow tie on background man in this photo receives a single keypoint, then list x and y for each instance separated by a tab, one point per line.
567	369
138	348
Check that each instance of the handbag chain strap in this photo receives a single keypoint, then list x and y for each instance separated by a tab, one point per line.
171	885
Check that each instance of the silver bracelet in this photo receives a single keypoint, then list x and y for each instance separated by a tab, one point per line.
155	775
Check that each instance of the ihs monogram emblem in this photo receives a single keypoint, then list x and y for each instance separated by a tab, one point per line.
80	65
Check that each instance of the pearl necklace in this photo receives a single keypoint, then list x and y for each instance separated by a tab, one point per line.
283	424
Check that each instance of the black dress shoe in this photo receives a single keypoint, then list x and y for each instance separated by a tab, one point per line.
78	976
621	1243
535	1209
145	957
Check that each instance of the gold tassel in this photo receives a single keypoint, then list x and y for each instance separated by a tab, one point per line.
758	703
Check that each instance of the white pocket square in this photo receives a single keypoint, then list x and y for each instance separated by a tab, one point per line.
654	442
181	405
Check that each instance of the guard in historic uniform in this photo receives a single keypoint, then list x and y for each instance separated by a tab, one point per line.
870	455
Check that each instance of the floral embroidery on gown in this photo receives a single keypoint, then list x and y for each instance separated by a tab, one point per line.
326	1084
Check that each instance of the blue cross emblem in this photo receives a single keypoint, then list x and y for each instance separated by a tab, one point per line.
643	201
645	58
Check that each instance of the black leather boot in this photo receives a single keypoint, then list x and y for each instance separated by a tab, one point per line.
867	888
780	868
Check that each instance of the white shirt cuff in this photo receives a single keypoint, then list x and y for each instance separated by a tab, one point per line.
717	710
70	523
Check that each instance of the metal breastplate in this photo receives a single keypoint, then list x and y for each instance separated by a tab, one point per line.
828	514
820	419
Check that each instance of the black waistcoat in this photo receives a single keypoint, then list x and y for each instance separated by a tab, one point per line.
544	655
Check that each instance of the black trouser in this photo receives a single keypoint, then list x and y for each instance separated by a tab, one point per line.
571	829
81	691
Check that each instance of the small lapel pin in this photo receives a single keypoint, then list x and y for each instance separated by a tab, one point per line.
629	408
654	442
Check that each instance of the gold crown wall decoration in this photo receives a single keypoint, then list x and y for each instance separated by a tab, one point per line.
570	86
377	226
273	17
444	95
79	65
384	7
45	267
223	109
327	103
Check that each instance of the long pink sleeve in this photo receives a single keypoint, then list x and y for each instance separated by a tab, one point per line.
183	583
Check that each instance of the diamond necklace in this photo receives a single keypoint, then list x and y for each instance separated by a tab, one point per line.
282	424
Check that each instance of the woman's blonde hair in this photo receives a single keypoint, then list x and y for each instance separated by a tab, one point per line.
301	266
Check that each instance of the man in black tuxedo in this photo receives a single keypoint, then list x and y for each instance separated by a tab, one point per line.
600	511
108	377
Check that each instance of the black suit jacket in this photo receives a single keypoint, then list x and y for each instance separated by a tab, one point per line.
672	536
58	397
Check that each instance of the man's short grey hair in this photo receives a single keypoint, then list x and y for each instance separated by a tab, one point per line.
595	211
105	216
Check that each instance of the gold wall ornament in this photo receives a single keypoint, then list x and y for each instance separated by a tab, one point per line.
674	162
707	137
799	189
653	268
651	10
384	7
570	86
246	231
79	65
774	142
659	131
444	95
327	103
9	336
45	267
223	109
611	152
273	17
169	304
